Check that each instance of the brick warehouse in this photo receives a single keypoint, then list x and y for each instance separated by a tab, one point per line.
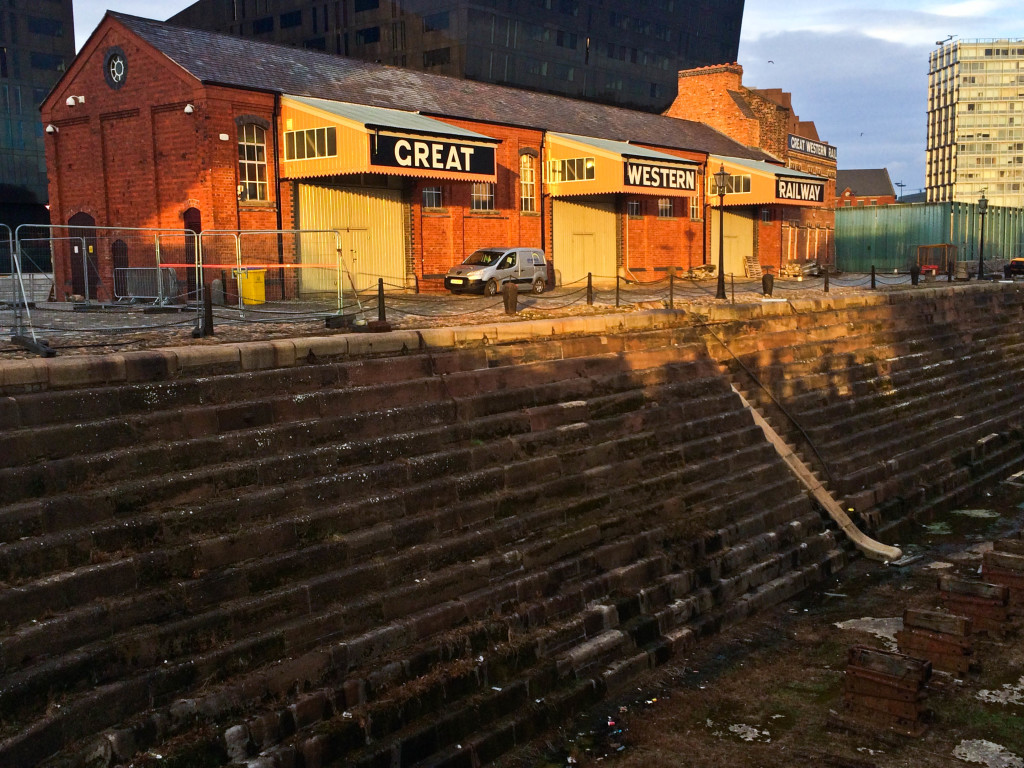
765	118
155	125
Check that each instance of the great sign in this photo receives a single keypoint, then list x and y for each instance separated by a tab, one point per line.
659	176
431	155
804	191
812	147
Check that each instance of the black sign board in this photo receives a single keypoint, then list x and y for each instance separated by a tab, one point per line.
659	176
812	147
431	155
802	191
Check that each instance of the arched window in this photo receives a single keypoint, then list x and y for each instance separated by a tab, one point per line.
527	184
252	162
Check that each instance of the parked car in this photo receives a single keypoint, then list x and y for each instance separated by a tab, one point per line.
1015	268
486	270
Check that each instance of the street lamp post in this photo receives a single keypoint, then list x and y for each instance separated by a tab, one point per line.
982	210
720	181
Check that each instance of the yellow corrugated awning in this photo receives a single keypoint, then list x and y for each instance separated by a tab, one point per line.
756	183
328	138
584	165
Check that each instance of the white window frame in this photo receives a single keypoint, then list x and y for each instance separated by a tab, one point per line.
482	196
252	162
527	184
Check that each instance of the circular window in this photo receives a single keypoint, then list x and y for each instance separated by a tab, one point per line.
115	67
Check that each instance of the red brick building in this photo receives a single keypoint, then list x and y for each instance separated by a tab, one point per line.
864	187
159	126
764	118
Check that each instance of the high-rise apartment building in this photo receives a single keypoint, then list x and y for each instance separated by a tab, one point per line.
619	53
976	122
37	41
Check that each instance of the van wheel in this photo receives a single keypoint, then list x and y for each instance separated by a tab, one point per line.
538	286
491	289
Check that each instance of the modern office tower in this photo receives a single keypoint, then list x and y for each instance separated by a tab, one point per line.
976	122
618	53
37	41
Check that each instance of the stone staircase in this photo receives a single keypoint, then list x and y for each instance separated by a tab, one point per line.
430	555
902	407
416	559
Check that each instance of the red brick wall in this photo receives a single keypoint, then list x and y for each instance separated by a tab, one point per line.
651	245
704	96
443	238
132	158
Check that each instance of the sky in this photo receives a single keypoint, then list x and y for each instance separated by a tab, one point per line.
858	71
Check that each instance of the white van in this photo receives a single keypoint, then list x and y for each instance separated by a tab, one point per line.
486	270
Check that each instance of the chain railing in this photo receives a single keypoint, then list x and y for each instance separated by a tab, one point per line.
292	281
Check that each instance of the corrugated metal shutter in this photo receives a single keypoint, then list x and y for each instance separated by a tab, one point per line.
739	239
585	239
369	222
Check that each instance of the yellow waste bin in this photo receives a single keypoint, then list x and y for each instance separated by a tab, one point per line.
252	285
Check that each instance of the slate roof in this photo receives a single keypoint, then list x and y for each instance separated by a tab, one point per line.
865	182
778	170
215	58
379	117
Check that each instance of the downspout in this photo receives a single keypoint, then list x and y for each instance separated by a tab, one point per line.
543	207
277	187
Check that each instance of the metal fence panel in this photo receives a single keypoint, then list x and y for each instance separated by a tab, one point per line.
887	237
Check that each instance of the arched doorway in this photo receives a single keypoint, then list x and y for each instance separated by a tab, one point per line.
83	263
193	220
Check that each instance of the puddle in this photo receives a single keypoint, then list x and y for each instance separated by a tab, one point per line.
1008	694
939	529
986	753
980	514
884	629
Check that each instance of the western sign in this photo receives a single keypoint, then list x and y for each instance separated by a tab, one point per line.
803	191
659	176
812	147
431	155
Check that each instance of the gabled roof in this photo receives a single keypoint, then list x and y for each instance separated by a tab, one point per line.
215	58
865	182
379	117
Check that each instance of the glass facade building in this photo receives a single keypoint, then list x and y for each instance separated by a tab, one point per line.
976	122
624	54
37	42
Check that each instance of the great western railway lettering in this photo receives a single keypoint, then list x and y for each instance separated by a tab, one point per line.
805	191
812	147
427	154
659	176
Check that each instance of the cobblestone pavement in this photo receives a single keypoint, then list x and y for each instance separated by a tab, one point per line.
74	329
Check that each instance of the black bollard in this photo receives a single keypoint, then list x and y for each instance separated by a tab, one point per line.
767	284
872	277
915	274
590	290
616	290
510	296
949	272
826	279
671	290
381	312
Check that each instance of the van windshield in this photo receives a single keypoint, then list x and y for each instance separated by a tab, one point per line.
484	257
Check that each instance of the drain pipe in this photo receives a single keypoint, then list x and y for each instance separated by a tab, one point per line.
870	548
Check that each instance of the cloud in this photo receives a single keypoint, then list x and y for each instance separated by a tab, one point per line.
868	97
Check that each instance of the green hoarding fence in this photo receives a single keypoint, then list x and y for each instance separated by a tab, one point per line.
888	236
